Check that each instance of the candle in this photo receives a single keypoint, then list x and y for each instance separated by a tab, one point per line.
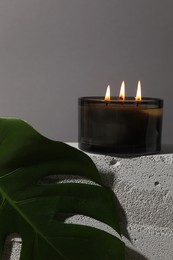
122	125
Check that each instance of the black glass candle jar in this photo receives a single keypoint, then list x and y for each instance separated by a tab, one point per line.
120	127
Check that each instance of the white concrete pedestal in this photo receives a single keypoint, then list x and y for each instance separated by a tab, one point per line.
144	187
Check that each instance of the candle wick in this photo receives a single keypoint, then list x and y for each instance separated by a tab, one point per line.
122	100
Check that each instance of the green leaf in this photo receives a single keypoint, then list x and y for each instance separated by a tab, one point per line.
35	209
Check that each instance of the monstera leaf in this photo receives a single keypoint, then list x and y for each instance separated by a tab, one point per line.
35	209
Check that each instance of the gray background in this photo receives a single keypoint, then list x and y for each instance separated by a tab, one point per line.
53	51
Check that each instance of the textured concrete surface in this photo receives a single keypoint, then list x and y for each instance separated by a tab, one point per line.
144	187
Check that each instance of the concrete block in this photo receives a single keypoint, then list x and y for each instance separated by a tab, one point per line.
144	188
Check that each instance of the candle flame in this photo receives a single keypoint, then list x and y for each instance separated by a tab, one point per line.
108	94
122	91
138	92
